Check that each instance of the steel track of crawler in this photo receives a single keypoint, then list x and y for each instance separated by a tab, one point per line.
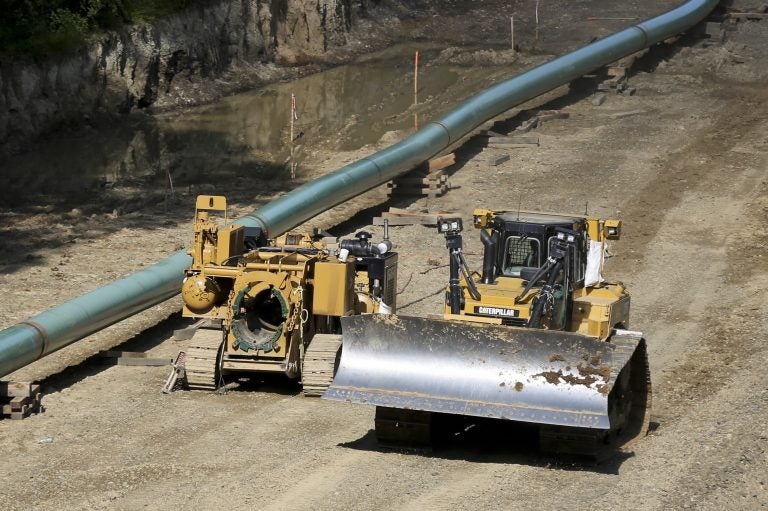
320	363
203	361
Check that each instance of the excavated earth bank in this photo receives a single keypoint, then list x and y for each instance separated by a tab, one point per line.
682	163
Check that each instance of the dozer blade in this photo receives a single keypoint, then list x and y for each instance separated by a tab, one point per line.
501	372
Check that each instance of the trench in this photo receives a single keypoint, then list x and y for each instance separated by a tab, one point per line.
246	136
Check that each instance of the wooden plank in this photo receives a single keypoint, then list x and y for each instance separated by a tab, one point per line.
621	115
744	16
415	186
405	221
548	115
416	217
398	211
493	161
394	212
122	354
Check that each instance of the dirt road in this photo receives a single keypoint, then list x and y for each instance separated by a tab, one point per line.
682	163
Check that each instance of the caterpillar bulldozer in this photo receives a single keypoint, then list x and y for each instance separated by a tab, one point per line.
274	305
537	337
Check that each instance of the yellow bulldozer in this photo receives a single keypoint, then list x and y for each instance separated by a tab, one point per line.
274	305
537	337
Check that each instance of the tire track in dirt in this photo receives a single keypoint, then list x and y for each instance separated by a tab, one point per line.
467	483
695	246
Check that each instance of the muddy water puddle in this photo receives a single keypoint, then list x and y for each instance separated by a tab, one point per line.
247	135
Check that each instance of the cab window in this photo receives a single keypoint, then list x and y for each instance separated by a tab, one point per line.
518	253
575	258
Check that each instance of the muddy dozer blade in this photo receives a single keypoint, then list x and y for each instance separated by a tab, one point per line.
529	375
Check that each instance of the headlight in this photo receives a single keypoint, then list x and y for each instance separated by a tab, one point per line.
449	225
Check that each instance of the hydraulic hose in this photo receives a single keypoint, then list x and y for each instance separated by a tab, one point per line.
64	324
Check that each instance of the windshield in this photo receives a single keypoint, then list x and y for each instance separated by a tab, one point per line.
520	251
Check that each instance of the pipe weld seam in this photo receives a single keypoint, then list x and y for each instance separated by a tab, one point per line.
378	169
646	39
258	218
42	332
447	132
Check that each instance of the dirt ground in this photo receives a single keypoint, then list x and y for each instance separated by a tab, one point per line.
682	163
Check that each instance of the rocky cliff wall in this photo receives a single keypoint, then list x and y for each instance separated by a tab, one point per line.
191	57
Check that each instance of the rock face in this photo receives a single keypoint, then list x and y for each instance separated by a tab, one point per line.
188	58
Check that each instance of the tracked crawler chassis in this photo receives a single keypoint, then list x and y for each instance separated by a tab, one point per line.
274	305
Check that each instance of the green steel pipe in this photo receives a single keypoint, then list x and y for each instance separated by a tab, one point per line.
59	326
332	189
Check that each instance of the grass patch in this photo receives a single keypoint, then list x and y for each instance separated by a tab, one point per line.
42	27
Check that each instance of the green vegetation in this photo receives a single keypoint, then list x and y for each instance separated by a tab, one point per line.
39	27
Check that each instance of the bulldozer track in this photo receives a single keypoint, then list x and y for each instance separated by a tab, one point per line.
320	363
400	428
600	444
203	359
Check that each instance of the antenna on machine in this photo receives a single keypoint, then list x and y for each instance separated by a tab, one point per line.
586	208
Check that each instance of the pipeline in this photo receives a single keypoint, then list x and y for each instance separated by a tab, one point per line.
62	325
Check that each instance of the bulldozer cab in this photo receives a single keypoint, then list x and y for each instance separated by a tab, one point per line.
527	240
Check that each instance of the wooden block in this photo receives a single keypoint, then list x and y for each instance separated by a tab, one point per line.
428	192
528	125
494	161
441	162
136	361
13	389
18	402
617	71
420	180
25	399
713	28
439	193
416	186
